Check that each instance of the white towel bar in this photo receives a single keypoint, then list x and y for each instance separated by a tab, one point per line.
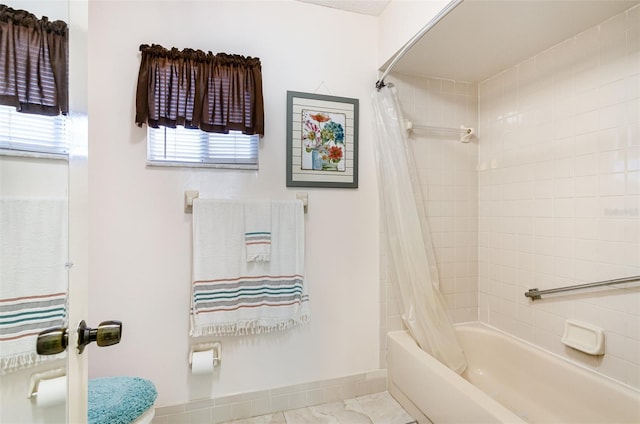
189	195
536	294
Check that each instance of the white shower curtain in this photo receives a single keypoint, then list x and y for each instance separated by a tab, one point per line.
412	263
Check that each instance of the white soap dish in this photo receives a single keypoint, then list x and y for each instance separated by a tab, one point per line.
584	337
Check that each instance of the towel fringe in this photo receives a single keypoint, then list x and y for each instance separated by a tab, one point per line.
26	360
250	327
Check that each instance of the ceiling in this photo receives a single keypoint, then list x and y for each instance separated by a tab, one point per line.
480	38
365	7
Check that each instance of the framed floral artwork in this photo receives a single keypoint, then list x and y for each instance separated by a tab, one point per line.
322	141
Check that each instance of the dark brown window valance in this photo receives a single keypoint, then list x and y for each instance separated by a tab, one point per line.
215	93
33	63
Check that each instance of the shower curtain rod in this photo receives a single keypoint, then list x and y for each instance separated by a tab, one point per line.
444	12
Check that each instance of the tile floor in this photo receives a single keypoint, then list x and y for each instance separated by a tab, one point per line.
378	408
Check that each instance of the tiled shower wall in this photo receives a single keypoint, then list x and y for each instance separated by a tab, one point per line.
556	167
559	187
449	184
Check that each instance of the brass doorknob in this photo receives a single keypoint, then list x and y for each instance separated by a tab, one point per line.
108	333
52	341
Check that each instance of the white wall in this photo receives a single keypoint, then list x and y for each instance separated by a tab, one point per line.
560	192
37	177
140	242
400	21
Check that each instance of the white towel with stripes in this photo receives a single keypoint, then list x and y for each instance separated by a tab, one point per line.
33	293
257	231
231	296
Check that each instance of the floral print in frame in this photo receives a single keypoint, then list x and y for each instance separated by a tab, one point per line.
322	141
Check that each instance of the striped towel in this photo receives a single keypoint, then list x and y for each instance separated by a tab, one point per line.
257	227
33	294
231	296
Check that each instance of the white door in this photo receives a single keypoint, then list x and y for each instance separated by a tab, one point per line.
77	366
71	180
47	178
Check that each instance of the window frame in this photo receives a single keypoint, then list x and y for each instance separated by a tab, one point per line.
58	125
206	139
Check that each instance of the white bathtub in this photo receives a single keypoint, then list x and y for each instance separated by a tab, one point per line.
507	381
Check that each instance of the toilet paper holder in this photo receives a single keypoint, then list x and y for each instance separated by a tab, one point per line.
35	379
202	347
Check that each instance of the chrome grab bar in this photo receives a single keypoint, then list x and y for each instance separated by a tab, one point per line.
536	294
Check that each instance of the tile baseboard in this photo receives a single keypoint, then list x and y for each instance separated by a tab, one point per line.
251	404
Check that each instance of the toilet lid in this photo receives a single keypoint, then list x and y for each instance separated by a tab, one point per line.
119	400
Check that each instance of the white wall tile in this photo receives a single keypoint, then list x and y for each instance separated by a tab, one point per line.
633	159
611	161
447	172
577	218
548	196
633	183
612	184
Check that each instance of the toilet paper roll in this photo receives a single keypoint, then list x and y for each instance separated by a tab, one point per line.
52	392
202	362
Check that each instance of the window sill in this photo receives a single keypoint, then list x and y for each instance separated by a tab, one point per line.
35	155
202	165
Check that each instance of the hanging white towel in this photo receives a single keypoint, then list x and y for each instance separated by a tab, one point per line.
33	293
257	231
231	296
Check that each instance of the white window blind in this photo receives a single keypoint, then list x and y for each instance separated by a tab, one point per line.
192	147
24	133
